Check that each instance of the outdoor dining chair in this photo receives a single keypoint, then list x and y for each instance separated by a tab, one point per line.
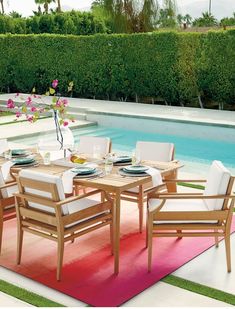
93	145
207	214
150	151
7	201
42	209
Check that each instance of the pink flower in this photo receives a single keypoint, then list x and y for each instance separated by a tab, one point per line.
58	103
10	104
33	109
28	101
65	102
65	124
55	83
30	118
18	114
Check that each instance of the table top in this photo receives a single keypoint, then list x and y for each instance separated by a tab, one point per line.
110	182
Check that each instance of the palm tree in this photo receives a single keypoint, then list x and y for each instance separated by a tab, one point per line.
209	6
45	4
188	19
180	19
2	6
59	6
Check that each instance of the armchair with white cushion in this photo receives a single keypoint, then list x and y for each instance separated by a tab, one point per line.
42	209
207	214
7	201
149	151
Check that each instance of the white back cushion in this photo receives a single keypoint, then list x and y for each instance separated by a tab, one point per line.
50	179
87	144
4	176
155	151
3	145
217	183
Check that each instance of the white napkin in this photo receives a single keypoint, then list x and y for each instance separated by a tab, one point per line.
67	180
156	176
5	169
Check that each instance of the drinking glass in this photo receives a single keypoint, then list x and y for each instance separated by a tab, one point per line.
135	157
108	166
46	158
8	154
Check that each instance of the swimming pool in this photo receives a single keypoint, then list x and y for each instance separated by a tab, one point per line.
196	151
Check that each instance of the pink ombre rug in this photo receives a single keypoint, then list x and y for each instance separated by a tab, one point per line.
88	266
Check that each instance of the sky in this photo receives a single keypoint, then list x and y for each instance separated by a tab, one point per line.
220	8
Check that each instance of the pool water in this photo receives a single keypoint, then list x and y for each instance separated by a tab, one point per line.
196	152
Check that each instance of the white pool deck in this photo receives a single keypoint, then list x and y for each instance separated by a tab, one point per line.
184	114
209	268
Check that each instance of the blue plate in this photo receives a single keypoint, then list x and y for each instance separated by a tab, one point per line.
83	170
135	169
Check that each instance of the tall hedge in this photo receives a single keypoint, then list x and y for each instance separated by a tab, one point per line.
168	66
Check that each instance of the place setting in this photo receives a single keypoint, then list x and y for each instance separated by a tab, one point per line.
134	171
87	172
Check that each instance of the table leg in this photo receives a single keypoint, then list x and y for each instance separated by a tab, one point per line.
172	187
117	232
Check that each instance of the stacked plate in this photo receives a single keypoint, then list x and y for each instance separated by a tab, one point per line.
19	153
25	161
122	160
86	171
134	170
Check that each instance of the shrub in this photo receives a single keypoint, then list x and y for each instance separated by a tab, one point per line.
167	66
63	23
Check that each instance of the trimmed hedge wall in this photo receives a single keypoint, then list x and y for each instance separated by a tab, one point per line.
163	66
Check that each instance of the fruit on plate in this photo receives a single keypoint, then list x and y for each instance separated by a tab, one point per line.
77	159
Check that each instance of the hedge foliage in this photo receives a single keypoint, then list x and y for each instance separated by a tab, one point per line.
169	66
74	22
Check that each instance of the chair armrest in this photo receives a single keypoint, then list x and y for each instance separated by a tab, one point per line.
194	196
184	180
7	185
75	198
155	189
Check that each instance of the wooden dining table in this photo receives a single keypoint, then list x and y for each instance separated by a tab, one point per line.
113	183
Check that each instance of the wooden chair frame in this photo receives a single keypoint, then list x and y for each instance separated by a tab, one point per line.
216	230
7	208
54	226
140	197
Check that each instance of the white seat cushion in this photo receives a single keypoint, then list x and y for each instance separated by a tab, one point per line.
82	204
179	205
217	183
155	151
87	144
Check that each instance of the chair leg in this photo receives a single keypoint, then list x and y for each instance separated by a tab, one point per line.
228	251
60	255
150	246
141	208
1	226
147	223
179	231
20	235
216	241
72	241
